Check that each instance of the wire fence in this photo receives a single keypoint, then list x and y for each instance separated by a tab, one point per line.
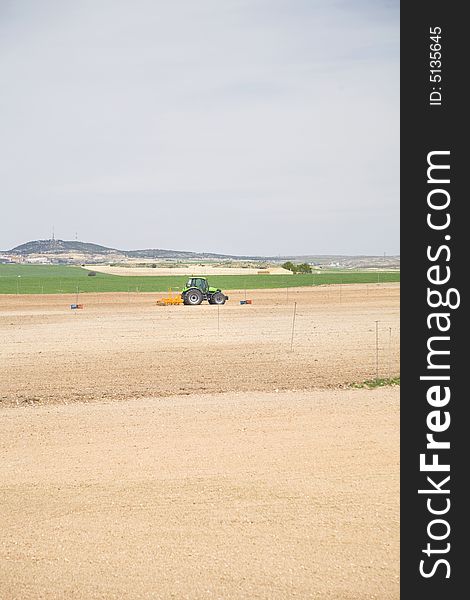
125	342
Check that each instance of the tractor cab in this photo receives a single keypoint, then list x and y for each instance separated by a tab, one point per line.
198	282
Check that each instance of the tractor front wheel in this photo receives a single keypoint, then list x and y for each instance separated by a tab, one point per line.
193	297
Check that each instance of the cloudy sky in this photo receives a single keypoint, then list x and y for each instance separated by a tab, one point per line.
236	126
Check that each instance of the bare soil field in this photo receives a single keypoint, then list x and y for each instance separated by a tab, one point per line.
193	453
195	269
259	495
123	346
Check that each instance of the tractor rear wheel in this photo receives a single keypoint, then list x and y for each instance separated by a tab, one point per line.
193	297
218	298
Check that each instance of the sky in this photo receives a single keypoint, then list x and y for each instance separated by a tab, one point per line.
266	127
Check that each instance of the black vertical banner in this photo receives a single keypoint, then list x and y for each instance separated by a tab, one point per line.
434	259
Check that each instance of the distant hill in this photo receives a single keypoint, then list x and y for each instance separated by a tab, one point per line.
58	247
73	251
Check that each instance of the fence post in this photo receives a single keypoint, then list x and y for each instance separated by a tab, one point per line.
293	327
376	350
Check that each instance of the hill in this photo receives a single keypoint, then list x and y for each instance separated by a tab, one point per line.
75	252
67	247
59	247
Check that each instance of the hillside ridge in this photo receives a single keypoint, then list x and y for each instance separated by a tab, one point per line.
77	251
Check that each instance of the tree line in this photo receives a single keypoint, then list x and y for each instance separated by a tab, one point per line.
299	268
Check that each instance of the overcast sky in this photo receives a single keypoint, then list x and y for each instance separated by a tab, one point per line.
235	126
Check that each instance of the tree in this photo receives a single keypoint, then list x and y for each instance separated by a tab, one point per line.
304	268
300	268
289	266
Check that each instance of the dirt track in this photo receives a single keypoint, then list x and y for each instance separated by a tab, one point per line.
123	346
147	455
264	495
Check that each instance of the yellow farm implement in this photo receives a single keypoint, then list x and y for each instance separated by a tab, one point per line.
172	299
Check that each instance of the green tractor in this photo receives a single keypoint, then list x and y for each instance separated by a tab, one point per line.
197	289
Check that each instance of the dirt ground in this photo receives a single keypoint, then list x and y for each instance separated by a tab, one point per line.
123	346
237	495
191	269
188	453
